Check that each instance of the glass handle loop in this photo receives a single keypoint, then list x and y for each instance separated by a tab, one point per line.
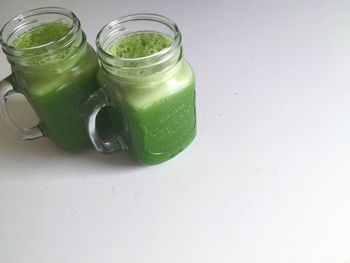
6	90
95	103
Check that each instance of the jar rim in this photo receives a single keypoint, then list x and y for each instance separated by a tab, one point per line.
75	27
176	43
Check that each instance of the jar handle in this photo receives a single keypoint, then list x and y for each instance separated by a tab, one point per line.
6	90
96	102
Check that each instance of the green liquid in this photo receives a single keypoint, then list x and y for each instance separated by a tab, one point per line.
58	86
41	35
138	45
156	114
165	128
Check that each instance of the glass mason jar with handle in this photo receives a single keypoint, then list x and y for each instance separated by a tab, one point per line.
147	86
55	68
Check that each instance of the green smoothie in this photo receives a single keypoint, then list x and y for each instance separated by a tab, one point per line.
57	84
138	45
158	111
41	35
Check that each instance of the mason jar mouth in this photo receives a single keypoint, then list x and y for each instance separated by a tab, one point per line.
133	24
33	18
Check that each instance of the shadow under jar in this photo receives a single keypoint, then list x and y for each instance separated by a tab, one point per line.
148	87
55	69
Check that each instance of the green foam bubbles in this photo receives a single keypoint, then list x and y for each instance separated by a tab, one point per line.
41	35
138	45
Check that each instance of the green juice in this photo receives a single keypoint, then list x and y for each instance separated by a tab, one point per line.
41	35
138	45
58	84
156	113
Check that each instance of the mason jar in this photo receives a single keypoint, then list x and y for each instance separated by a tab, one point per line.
56	76
150	99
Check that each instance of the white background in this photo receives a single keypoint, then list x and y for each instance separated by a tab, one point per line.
267	178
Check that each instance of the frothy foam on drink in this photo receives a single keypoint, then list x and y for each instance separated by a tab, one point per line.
41	35
138	45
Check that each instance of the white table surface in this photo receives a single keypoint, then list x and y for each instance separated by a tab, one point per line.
267	178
